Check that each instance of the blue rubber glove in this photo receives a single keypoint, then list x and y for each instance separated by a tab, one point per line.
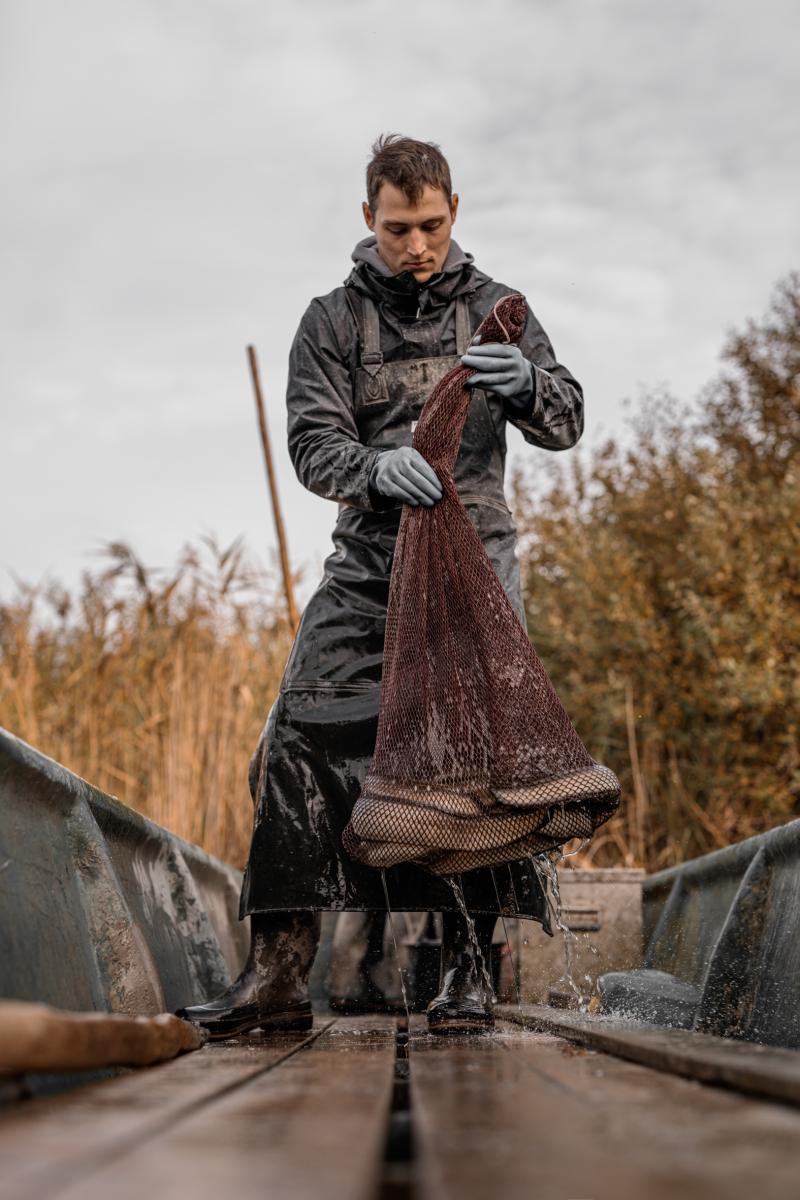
502	369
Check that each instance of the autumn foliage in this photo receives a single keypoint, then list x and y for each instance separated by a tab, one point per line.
663	592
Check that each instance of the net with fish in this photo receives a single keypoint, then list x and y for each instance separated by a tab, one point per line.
476	761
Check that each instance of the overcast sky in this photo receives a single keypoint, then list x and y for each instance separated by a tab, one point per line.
181	178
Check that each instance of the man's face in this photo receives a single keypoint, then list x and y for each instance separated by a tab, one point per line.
412	237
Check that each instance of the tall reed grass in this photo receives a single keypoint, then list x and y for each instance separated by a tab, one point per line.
155	686
152	685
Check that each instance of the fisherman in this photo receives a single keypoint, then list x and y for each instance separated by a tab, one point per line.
363	362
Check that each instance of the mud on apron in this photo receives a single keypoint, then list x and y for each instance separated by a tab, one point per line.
315	751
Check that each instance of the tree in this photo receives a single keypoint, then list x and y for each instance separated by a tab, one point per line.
663	593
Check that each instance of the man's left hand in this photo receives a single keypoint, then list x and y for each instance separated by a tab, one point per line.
502	369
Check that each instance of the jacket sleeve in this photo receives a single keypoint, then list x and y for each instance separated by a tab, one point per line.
324	445
553	416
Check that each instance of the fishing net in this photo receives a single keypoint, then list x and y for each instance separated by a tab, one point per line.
476	761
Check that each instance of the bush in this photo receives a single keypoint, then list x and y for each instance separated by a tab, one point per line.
663	593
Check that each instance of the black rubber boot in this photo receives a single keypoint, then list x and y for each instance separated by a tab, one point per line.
464	1003
271	993
360	951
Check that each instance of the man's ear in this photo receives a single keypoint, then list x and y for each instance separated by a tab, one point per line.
454	206
369	216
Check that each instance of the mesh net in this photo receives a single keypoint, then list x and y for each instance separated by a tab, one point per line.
476	761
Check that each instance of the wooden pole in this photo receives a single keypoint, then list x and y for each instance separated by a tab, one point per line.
291	607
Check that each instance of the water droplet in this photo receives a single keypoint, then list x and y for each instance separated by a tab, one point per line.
396	951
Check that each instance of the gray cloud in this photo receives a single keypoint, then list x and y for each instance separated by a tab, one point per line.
184	178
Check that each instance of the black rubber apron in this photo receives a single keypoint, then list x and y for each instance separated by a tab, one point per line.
319	738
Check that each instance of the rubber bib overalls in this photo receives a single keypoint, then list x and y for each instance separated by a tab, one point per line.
320	735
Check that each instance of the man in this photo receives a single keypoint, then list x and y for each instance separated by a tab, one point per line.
363	362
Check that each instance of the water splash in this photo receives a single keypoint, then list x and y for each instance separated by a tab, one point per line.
572	853
486	979
513	890
508	940
396	948
545	866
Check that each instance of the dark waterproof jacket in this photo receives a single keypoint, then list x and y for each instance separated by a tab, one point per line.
344	408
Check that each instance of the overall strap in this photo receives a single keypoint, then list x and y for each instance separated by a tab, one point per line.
365	312
371	353
365	315
463	327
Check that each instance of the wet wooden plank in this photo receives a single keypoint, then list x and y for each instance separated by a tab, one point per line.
524	1114
46	1143
314	1125
767	1071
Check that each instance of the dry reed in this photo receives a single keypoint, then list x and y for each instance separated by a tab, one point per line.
152	686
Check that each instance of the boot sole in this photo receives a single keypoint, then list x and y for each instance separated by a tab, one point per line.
456	1025
289	1020
295	1020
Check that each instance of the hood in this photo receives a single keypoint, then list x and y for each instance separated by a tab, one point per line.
402	291
366	251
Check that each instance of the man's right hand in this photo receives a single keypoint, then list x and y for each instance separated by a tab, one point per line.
404	475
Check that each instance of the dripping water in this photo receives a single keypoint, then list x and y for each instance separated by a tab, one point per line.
508	940
513	890
545	869
590	945
458	891
396	948
572	853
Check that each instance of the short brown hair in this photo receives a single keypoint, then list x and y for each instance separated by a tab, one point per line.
407	164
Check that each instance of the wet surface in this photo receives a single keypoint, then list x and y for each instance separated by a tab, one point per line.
374	1107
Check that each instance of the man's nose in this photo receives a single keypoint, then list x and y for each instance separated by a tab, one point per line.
416	247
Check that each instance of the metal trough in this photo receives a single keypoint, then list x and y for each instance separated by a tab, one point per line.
722	938
100	908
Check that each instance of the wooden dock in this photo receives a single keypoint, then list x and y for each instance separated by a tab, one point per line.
365	1109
